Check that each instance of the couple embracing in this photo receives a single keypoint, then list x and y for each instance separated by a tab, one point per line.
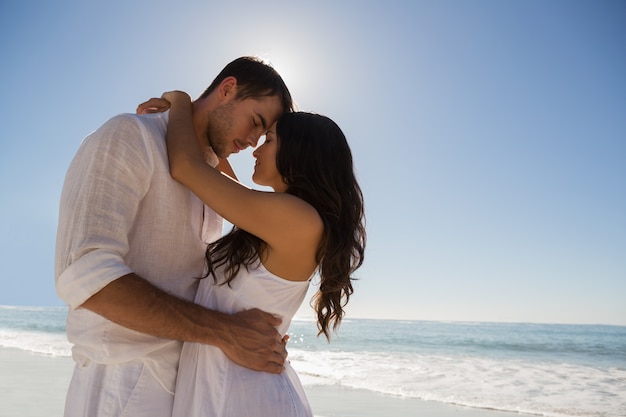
169	318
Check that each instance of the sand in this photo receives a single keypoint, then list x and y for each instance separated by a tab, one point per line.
33	385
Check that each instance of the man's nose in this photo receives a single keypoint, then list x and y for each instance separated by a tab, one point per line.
253	140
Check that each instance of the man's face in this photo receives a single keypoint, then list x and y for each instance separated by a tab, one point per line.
236	124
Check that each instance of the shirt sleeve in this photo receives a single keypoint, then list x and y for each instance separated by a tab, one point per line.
103	188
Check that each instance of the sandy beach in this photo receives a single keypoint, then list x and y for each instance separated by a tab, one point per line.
33	385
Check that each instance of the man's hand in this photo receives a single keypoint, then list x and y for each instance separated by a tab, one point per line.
254	342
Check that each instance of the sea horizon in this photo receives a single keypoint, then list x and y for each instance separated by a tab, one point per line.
349	317
545	369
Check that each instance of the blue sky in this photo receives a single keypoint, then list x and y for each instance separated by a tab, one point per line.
489	136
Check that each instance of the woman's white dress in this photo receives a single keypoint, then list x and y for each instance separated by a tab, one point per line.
209	384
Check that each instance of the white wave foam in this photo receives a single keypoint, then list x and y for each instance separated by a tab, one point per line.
52	344
546	389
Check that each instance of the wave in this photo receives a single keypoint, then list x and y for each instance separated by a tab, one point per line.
44	343
547	370
506	385
34	329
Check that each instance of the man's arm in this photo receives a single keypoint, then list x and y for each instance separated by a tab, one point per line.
248	338
106	181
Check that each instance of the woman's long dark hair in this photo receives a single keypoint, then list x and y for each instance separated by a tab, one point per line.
315	162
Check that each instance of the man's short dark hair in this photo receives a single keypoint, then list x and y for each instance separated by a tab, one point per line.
255	79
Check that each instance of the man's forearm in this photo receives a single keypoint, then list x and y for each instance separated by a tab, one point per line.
134	303
249	338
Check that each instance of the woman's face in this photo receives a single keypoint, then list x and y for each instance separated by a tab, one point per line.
265	170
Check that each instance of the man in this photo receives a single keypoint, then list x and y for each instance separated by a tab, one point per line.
131	243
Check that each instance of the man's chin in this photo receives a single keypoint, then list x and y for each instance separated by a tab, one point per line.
210	156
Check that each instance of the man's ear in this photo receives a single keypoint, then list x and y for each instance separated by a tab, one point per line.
227	88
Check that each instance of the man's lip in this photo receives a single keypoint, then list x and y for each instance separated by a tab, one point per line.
238	147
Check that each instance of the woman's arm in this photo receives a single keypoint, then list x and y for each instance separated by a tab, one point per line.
160	105
280	219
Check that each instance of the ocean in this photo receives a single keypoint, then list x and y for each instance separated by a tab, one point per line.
551	370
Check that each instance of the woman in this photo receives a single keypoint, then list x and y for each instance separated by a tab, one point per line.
312	223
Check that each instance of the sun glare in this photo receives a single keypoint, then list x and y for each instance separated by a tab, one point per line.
287	67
